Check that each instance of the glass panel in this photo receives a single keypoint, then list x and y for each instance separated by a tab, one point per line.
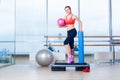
30	25
116	24
95	17
7	20
7	31
116	17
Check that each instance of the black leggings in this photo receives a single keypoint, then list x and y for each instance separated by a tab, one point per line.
70	38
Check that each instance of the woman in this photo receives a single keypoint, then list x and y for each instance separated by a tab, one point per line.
70	19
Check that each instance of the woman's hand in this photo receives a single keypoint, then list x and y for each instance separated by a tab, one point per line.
81	30
61	26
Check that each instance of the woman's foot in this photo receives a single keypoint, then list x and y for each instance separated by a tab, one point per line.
70	59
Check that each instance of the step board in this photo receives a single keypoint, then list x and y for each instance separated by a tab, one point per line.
63	66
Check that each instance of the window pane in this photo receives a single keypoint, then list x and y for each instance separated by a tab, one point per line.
30	25
95	17
7	20
116	20
7	31
116	17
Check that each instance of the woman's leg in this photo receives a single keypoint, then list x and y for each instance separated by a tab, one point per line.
72	52
67	47
71	43
72	48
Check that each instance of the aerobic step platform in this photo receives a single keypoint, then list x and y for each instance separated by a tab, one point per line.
77	66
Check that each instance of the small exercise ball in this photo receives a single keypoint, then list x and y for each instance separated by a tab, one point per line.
44	57
61	22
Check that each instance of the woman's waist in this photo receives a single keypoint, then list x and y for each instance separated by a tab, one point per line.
71	30
70	27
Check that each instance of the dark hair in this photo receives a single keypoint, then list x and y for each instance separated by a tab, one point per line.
67	7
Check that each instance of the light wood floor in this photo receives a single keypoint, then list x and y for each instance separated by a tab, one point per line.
25	70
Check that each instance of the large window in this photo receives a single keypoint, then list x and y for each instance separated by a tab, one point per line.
30	25
95	17
116	17
7	20
7	31
116	20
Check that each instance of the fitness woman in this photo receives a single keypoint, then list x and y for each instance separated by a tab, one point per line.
70	19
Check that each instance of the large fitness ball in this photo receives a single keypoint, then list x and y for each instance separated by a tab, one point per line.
44	57
61	22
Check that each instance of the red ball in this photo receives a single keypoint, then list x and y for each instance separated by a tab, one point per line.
61	22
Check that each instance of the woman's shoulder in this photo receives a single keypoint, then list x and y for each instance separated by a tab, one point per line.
74	16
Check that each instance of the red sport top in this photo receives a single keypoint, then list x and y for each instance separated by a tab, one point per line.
69	21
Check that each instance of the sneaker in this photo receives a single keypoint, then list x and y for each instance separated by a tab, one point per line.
70	59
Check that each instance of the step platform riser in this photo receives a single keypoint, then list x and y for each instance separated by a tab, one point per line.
63	66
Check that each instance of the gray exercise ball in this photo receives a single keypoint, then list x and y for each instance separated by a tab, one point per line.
44	57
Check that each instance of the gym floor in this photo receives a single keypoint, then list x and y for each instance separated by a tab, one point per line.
26	70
